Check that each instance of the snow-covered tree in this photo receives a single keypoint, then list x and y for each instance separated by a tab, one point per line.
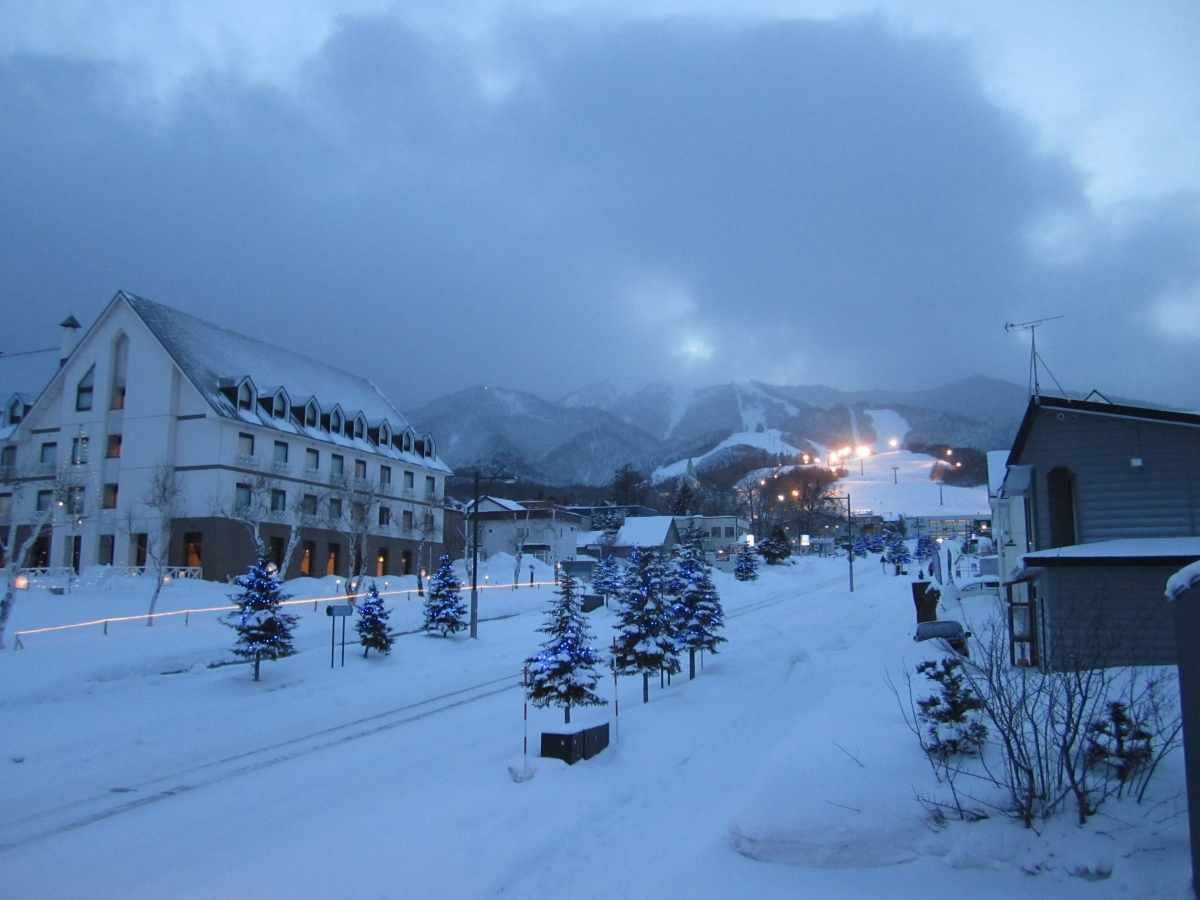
925	548
444	609
897	553
606	580
697	612
746	566
859	547
372	623
875	543
564	672
264	630
644	642
776	548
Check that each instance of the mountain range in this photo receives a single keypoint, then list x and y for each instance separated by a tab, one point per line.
585	436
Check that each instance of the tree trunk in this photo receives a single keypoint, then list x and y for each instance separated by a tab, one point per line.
691	663
6	606
256	661
645	687
159	572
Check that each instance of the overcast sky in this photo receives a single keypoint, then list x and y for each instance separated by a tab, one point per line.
543	196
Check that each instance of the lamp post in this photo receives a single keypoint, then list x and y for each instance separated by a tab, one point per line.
849	540
475	546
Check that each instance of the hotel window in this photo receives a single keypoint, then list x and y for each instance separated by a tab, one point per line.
312	459
79	451
84	390
408	481
337	465
44	499
107	545
385	474
335	508
109	499
49	454
8	458
245	396
360	469
385	516
75	501
430	485
279	406
5	504
406	520
242	496
308	504
281	453
278	500
310	416
245	444
113	450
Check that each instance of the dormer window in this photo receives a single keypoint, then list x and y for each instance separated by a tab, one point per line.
245	396
428	445
408	442
84	391
279	406
311	414
16	411
360	427
385	435
335	422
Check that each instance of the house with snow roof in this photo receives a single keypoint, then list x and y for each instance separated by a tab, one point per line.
1096	506
536	528
253	437
647	532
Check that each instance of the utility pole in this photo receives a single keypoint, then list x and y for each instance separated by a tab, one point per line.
475	561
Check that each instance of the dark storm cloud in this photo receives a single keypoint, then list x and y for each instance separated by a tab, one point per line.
805	202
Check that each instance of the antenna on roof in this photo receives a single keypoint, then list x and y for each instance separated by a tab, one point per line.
1035	387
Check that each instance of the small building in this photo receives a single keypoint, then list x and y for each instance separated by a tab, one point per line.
1098	504
647	532
534	528
720	532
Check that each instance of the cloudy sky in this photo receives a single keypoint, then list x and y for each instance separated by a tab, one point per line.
547	194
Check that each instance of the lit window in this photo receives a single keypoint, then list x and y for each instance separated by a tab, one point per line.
85	390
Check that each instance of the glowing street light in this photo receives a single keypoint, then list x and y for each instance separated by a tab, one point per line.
21	583
863	453
893	443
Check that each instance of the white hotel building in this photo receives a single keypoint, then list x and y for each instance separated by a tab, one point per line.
250	435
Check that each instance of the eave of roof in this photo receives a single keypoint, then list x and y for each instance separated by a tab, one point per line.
1113	410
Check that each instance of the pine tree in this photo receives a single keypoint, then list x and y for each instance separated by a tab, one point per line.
776	548
859	547
564	672
875	543
606	580
444	609
373	623
644	640
698	612
746	567
925	548
264	631
897	551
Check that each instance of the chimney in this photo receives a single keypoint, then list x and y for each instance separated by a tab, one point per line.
70	337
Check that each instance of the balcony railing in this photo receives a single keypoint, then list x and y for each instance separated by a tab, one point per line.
246	459
278	466
311	474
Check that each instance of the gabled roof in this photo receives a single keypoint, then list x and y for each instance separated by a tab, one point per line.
645	531
1113	410
207	353
24	375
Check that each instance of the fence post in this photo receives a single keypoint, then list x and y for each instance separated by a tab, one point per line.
106	626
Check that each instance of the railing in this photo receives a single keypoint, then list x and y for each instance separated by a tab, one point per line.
47	573
311	474
385	487
280	467
173	572
246	459
338	479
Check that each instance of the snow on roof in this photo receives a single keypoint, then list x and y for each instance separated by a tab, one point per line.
1185	578
500	503
644	531
1122	548
997	468
208	354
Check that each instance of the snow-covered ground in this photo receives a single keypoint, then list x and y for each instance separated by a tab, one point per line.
134	770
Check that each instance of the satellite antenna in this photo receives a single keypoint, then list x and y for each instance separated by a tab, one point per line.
1035	387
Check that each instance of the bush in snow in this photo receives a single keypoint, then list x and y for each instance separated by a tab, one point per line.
564	672
264	630
697	613
746	566
776	548
606	580
444	609
372	623
950	717
645	643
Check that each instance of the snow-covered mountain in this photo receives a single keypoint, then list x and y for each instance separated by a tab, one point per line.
586	435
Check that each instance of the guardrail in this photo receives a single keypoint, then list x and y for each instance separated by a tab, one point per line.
186	613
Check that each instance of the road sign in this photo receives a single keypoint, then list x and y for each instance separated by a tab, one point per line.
339	609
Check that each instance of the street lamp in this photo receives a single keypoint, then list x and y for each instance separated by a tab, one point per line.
498	475
849	539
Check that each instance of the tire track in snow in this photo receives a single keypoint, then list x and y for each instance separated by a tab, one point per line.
246	762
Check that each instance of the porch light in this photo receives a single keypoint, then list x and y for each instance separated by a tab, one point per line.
21	583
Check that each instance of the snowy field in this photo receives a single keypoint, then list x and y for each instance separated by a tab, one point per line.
133	769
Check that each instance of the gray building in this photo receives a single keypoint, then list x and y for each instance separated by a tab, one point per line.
1099	504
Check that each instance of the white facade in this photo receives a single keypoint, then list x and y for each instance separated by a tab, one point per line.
150	389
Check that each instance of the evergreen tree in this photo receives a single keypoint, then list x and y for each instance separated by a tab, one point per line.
373	623
686	499
746	567
698	612
859	547
925	548
644	640
444	609
776	548
606	580
564	672
875	543
264	630
897	551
